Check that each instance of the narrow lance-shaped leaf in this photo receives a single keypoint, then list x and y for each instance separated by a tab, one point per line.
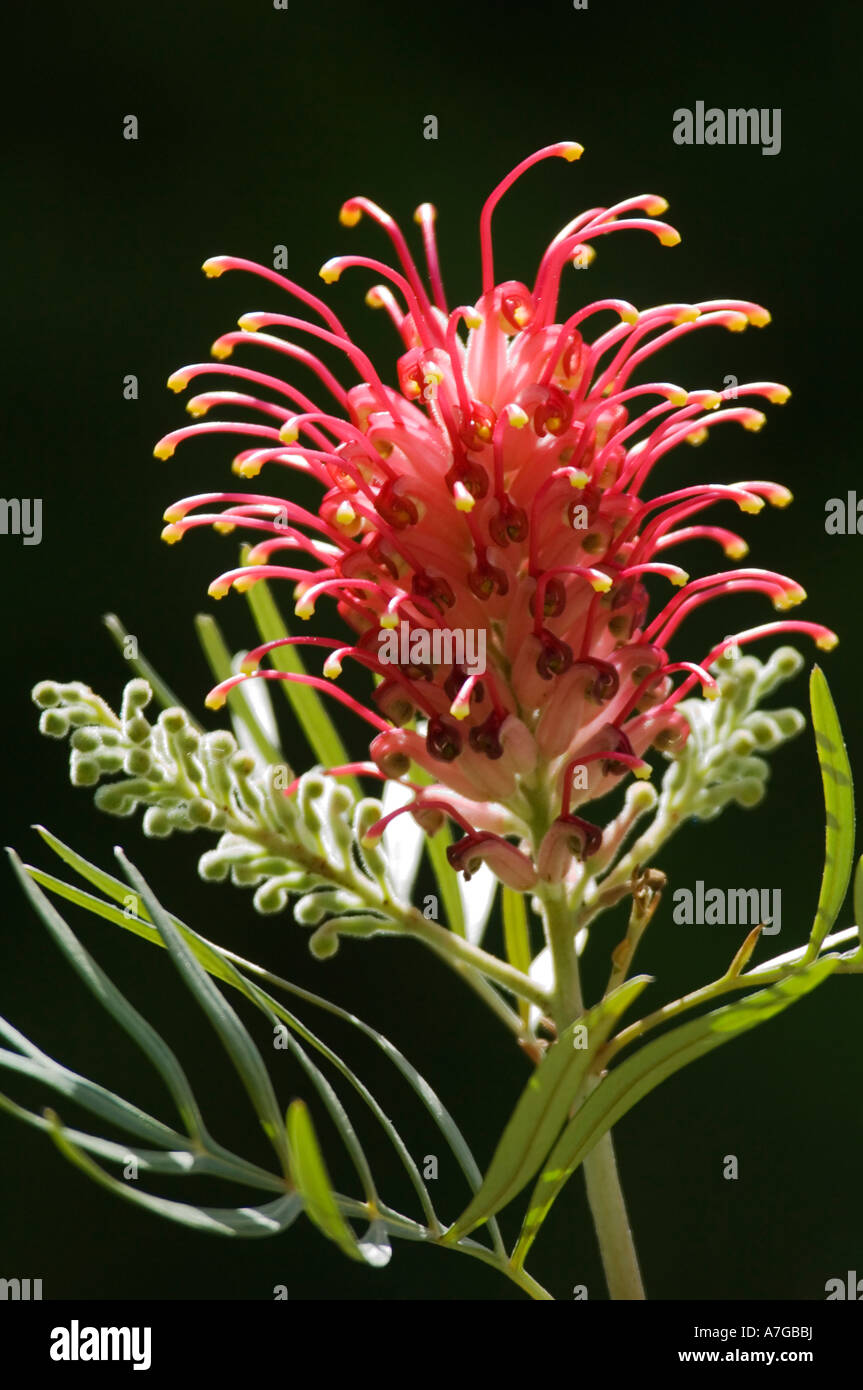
839	809
234	1035
517	940
310	1175
268	1220
635	1078
543	1106
217	961
116	1004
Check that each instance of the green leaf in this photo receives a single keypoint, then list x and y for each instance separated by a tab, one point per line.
310	1175
116	1004
839	809
543	1107
268	1220
219	962
633	1079
305	701
517	939
219	661
234	1035
29	1061
163	692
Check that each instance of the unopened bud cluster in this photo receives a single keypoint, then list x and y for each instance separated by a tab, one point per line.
722	760
280	839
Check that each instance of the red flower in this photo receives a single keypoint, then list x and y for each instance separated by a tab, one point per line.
497	496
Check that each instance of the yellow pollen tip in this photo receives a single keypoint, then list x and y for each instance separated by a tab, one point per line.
697	437
369	840
679	397
214	701
178	381
571	150
484	433
643	772
289	433
460	710
464	501
737	323
194	407
172	534
712	400
219	588
243	585
432	376
755	423
687	315
425	210
173	513
348	216
518	418
246	468
760	318
678	580
601	584
827	642
521	316
473	320
248	323
412	390
329	273
712	692
669	238
224	528
212	269
753	505
578	479
629	316
656	207
303	611
781	497
345	515
373	299
163	450
779	395
221	350
332	667
736	550
389	621
248	668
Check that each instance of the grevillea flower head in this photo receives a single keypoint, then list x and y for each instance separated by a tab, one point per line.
493	503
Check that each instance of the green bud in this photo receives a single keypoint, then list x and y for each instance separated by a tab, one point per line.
79	714
114	799
45	694
200	811
136	729
269	899
86	740
213	866
138	762
54	723
156	824
84	771
220	744
110	759
136	696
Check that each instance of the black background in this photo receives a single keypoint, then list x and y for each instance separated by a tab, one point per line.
255	125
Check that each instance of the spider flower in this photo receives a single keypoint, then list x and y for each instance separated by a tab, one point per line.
484	531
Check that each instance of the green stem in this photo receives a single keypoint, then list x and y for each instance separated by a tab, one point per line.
604	1192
